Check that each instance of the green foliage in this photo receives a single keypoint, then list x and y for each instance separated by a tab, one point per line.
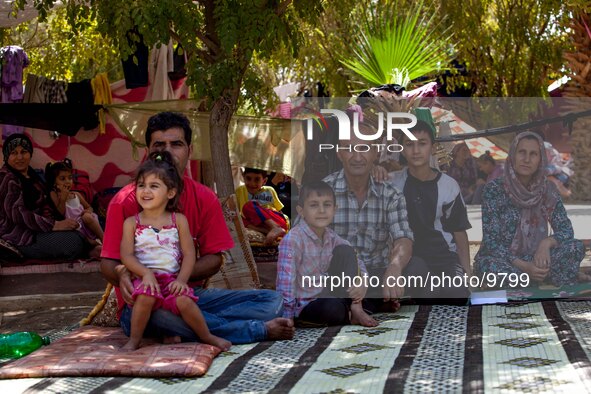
334	36
220	36
579	5
397	44
320	40
510	47
57	50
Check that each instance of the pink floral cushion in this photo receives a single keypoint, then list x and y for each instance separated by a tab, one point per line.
95	351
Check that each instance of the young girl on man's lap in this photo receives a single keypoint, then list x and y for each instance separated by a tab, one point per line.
157	247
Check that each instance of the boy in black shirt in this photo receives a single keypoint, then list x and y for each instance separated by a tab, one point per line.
438	218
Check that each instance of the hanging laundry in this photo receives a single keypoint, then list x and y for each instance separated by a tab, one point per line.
53	92
102	96
135	67
80	93
14	60
65	118
160	64
33	93
179	60
39	89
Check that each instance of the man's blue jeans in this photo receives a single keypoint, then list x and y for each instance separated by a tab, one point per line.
236	315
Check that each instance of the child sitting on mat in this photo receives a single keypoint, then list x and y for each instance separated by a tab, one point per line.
260	206
312	253
158	248
65	203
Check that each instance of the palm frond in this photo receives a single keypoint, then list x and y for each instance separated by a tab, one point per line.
391	45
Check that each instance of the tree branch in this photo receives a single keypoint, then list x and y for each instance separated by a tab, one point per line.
210	24
282	7
543	28
175	36
206	56
26	45
210	44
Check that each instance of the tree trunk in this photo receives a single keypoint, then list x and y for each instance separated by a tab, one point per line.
580	182
219	121
580	86
207	174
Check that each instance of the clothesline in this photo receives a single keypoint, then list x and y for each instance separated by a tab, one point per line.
568	119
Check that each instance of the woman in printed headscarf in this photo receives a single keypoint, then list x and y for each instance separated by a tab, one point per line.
22	198
516	211
464	170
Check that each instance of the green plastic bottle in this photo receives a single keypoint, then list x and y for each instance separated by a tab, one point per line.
20	344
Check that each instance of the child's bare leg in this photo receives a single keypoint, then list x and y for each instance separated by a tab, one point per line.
192	315
274	231
360	317
140	314
93	225
263	230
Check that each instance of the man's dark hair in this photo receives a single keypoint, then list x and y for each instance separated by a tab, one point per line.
319	187
166	120
420	126
249	170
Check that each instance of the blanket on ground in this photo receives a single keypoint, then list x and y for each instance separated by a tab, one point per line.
527	347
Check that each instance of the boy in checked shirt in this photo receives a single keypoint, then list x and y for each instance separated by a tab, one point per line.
318	272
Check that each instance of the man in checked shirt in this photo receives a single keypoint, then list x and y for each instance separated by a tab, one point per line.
372	217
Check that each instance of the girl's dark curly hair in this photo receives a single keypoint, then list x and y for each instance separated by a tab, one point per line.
162	165
52	170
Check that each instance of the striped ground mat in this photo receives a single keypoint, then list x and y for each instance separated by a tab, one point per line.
515	348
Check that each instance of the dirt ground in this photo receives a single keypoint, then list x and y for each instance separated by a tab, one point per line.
43	321
58	300
55	315
63	313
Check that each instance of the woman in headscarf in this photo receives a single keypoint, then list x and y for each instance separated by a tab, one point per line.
464	170
22	198
516	211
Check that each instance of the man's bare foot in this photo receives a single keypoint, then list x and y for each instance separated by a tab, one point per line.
171	340
389	306
360	318
280	328
273	234
131	345
218	342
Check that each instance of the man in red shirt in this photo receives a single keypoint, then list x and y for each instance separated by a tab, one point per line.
239	316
